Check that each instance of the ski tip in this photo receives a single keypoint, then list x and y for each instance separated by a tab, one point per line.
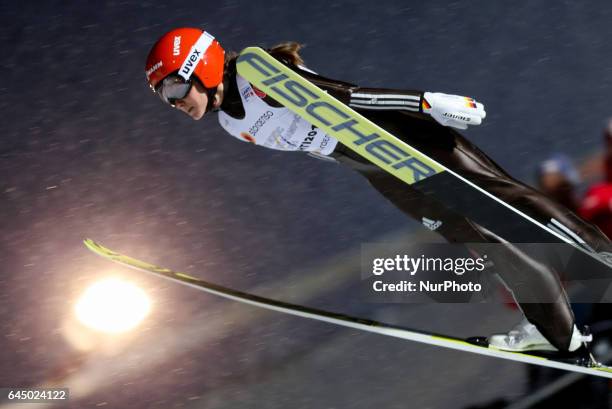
95	247
90	244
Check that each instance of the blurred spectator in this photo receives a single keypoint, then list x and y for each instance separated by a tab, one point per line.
557	178
596	206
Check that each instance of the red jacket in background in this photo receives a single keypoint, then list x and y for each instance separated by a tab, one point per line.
596	207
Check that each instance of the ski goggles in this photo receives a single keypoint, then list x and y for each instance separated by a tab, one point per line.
172	88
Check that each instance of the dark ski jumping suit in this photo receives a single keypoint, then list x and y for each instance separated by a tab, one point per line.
399	112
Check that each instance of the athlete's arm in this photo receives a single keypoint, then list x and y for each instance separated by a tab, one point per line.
449	110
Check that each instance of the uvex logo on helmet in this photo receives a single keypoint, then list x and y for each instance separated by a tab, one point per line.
198	51
176	51
190	63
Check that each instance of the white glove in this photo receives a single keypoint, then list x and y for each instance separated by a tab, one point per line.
453	110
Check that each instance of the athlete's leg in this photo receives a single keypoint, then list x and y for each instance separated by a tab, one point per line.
454	151
527	279
531	281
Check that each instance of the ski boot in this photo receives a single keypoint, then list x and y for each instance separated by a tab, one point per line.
526	337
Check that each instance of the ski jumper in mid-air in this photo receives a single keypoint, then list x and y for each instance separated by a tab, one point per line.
189	70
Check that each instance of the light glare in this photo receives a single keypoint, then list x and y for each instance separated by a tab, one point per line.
112	306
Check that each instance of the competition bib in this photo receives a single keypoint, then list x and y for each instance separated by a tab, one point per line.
274	127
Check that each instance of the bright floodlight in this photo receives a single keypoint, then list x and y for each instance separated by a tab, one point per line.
112	305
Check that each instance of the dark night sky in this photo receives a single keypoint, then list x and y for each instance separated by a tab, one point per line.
87	151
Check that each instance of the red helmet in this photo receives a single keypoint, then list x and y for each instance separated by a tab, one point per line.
187	52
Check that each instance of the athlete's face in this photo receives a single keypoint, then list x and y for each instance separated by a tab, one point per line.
196	101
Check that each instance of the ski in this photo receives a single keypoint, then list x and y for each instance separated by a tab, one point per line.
582	364
408	164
